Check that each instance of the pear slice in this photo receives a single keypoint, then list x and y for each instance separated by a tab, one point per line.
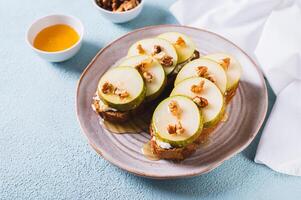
127	89
146	47
182	43
190	118
156	83
214	111
214	73
233	70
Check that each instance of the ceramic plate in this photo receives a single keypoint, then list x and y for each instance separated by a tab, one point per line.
246	112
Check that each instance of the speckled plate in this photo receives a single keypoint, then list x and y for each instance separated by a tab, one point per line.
246	111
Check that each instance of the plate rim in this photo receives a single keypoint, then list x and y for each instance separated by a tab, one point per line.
227	156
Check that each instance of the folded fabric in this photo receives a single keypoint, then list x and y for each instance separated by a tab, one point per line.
270	31
279	53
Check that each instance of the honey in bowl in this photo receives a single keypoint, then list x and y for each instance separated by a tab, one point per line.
56	38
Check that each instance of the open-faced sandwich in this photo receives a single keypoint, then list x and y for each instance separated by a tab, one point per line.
202	87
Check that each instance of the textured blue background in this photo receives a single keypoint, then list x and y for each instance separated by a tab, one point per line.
44	155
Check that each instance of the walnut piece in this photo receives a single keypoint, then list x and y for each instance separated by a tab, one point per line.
107	88
128	5
198	88
121	93
171	129
166	61
144	64
180	42
142	69
118	5
225	63
200	101
147	76
157	49
201	71
174	108
140	49
179	128
176	128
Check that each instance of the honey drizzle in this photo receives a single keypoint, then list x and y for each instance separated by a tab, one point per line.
147	152
225	117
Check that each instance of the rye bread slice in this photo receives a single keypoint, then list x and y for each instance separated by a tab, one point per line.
179	154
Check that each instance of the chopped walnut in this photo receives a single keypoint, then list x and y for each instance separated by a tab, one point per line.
171	129
144	64
107	88
140	49
200	101
180	42
201	71
198	88
174	108
176	128
130	4
147	76
114	5
179	128
225	63
142	69
118	5
166	61
157	49
121	93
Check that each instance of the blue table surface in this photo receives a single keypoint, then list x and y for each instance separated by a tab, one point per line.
44	155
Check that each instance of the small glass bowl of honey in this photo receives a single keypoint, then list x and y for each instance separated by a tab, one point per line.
56	38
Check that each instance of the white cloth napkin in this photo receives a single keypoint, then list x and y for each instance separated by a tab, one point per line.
269	30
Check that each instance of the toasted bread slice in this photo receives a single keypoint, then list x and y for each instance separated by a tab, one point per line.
109	114
178	154
115	116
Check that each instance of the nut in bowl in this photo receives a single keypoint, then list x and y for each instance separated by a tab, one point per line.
55	38
119	11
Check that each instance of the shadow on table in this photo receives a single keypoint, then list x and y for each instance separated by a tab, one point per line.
80	61
250	152
150	15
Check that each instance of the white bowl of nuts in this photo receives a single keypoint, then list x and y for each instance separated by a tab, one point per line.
119	11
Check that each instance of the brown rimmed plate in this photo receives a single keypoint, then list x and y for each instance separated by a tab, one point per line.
246	112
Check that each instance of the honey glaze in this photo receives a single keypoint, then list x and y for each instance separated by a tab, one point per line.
134	126
56	38
147	152
225	117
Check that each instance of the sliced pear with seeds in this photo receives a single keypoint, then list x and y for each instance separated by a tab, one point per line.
214	111
146	47
156	83
182	43
214	72
190	118
125	89
233	68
